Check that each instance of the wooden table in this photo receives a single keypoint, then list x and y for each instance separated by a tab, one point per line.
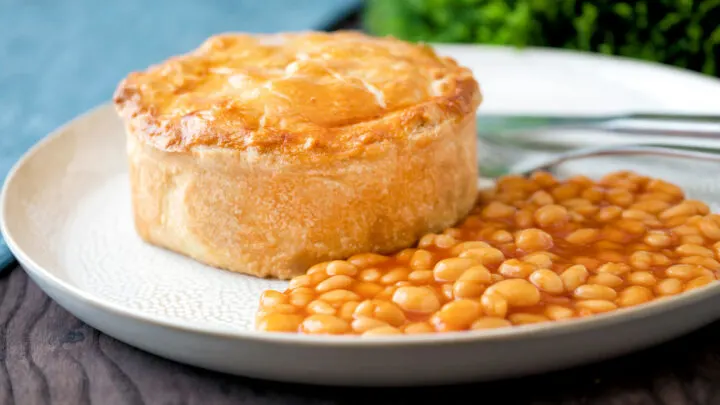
50	357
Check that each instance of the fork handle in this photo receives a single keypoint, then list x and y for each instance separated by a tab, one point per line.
641	124
618	150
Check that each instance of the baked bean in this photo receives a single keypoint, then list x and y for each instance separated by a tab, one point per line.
386	293
612	234
485	256
404	256
429	239
300	281
692	240
660	259
710	228
541	260
552	215
452	269
683	271
525	319
514	268
347	309
656	197
421	260
494	305
363	324
642	278
334	283
583	236
339	296
390	313
501	236
558	312
497	210
395	275
320	307
533	240
694	250
370	275
489	322
685	230
367	290
524	219
594	292
616	269
707	262
318	268
541	198
574	277
698	282
641	260
669	286
620	197
341	268
548	281
271	297
467	289
517	292
454	232
479	274
325	324
609	213
421	276
634	295
364	260
416	299
317	277
365	309
277	322
661	186
651	206
445	241
682	209
460	314
532	250
301	299
640	215
593	194
461	247
658	239
591	264
606	279
543	179
418	327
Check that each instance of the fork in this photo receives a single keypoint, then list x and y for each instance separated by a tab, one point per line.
506	141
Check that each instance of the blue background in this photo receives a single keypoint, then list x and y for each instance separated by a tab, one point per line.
59	58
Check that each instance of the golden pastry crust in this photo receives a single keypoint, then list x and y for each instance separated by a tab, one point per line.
309	95
340	144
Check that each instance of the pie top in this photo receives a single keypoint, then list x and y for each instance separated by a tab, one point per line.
295	93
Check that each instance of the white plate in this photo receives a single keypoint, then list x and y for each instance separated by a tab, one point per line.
65	213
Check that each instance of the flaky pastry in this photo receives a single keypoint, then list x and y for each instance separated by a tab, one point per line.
265	154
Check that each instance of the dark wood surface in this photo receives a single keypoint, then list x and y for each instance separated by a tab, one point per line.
50	357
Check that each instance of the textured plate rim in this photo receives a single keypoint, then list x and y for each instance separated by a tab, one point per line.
598	321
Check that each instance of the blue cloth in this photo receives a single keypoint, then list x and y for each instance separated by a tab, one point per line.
61	58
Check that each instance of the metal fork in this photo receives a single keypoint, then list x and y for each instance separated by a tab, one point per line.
508	143
551	162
